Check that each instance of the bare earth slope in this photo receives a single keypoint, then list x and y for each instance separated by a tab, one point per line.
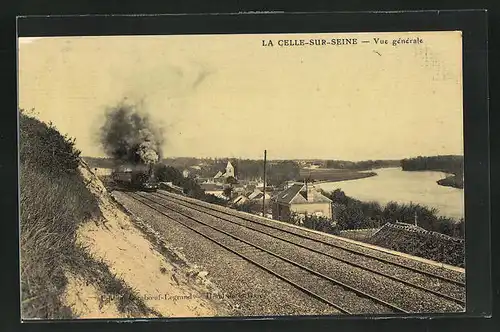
164	281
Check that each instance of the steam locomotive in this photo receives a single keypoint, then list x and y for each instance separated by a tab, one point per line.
135	178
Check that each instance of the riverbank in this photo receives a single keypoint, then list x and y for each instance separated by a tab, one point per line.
454	181
324	175
350	213
396	185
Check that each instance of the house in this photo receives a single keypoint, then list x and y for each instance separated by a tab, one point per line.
287	184
238	189
239	200
301	199
257	195
185	173
259	184
218	175
213	189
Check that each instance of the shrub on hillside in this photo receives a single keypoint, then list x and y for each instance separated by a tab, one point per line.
209	198
318	223
43	147
53	201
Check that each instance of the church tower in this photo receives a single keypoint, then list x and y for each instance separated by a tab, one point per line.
229	170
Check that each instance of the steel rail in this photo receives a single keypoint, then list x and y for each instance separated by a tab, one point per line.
407	283
334	281
237	215
436	293
301	288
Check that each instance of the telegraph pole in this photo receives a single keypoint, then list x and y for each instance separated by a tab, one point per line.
264	191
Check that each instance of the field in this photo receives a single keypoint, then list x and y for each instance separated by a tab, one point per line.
332	174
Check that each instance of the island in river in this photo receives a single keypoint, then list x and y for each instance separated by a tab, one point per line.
394	184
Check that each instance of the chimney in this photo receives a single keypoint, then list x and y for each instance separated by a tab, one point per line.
310	192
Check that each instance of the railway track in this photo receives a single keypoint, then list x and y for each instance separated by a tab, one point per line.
273	230
316	284
364	266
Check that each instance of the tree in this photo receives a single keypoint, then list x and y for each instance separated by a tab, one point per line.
338	196
248	206
172	174
350	217
228	192
282	171
231	180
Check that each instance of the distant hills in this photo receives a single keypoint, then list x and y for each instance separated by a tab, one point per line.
96	162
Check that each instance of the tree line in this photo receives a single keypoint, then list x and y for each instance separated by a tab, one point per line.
350	213
448	164
361	165
451	164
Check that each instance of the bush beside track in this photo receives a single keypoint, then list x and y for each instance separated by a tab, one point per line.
419	242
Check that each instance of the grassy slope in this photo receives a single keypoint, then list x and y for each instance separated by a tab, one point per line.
54	202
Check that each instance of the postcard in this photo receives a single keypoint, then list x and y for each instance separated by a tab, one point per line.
241	175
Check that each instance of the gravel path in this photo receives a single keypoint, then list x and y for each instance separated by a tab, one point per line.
410	299
423	280
250	290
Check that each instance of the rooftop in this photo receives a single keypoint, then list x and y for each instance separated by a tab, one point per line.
210	186
297	194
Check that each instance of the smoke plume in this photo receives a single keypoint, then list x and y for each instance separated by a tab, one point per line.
129	136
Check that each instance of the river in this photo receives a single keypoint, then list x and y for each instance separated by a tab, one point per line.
394	184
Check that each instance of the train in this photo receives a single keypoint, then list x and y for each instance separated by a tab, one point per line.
135	178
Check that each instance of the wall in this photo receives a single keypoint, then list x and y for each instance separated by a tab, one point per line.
282	215
312	208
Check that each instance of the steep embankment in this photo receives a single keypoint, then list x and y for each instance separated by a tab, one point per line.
84	257
163	280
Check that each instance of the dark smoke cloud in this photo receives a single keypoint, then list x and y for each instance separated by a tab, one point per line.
129	137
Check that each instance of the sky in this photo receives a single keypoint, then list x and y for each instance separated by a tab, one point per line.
230	96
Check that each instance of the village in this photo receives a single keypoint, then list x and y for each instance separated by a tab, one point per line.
279	202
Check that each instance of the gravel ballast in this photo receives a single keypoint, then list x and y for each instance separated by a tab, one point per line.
249	290
326	289
403	296
410	276
334	240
